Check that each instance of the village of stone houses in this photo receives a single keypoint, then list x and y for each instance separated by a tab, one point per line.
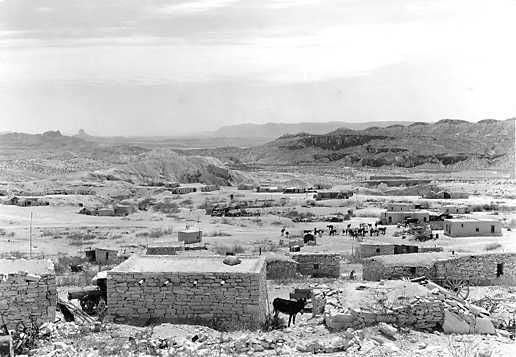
233	259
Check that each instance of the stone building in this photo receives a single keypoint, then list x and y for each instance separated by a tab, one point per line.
318	265
27	291
188	289
472	227
209	188
391	217
477	268
189	236
456	209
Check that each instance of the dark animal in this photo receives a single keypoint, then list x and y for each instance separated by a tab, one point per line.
75	268
289	307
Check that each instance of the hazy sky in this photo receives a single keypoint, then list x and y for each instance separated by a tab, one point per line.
152	67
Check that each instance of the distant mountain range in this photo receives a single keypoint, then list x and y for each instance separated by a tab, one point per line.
446	143
275	130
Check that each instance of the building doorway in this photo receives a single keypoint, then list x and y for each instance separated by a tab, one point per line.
492	229
499	270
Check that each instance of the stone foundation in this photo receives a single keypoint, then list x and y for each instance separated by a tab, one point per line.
281	269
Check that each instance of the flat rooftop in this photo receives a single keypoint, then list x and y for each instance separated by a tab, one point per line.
472	219
412	259
187	264
30	266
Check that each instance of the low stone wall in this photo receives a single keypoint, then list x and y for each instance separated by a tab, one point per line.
164	250
24	297
281	269
194	298
420	313
318	265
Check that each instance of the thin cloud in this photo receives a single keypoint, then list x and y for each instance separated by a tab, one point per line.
194	7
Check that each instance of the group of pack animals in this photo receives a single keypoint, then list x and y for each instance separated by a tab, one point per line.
355	232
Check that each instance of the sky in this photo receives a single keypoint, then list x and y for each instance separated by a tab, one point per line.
155	67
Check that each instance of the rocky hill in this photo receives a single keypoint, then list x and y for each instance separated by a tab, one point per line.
273	130
447	143
26	157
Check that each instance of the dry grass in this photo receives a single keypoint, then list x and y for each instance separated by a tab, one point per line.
235	248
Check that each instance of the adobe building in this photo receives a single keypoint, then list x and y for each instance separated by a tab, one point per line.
389	217
399	207
456	209
371	249
184	190
189	236
189	289
318	265
472	227
27	291
280	267
476	268
209	188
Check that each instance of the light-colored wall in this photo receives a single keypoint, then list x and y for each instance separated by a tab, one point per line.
367	250
21	298
399	217
239	303
399	207
104	256
189	237
468	228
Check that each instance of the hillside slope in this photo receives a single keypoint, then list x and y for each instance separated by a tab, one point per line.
447	143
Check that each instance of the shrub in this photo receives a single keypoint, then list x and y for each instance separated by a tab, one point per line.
166	206
492	246
219	234
236	248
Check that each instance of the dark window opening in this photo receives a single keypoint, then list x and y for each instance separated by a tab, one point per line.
413	270
461	225
316	266
477	229
390	219
377	250
499	270
107	256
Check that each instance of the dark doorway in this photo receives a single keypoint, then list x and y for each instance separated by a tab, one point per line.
499	270
492	229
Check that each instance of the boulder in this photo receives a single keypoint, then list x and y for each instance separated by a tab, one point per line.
454	324
387	330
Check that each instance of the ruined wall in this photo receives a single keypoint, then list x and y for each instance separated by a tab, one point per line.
281	269
318	264
164	250
238	303
479	269
24	296
420	313
376	271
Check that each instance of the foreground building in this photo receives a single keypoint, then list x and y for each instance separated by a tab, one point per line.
472	227
27	292
189	289
476	268
371	249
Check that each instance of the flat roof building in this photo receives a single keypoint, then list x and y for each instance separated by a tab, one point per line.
189	236
472	227
189	289
390	217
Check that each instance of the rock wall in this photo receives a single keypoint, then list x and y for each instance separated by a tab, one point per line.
482	269
169	250
318	264
281	269
420	313
26	296
221	300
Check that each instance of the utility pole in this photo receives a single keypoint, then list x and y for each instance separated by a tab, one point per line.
30	236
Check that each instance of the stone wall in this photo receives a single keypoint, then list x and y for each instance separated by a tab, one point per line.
376	271
278	269
371	250
193	298
318	264
420	313
481	269
26	296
